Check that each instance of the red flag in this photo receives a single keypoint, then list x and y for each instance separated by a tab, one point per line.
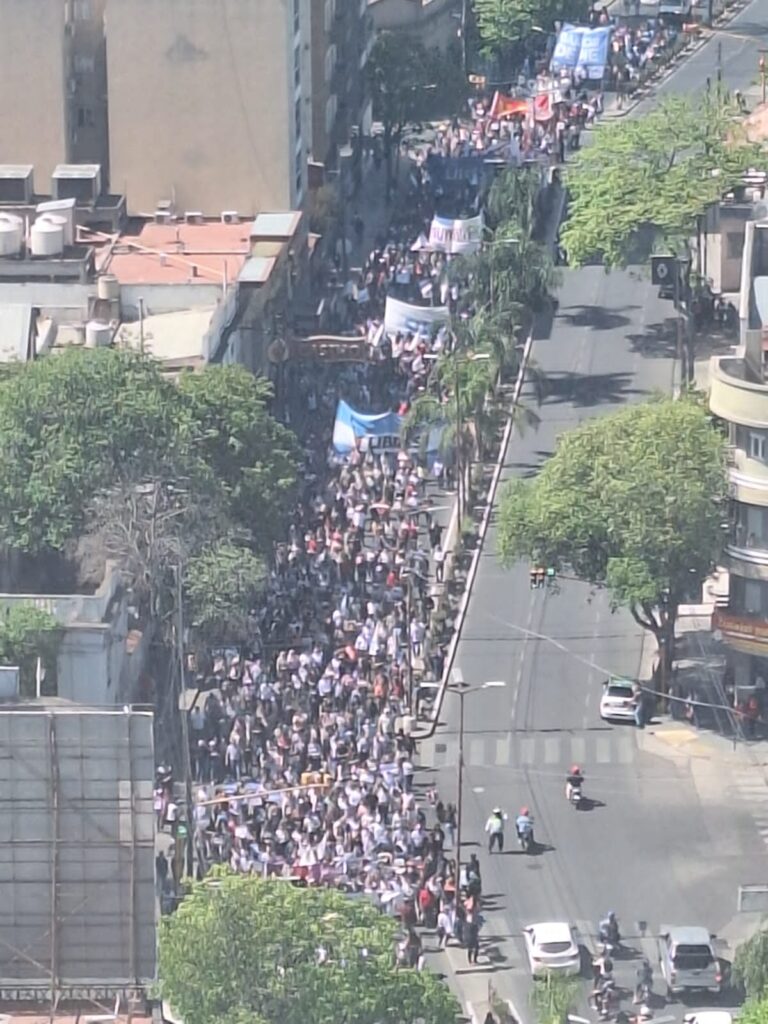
506	106
542	106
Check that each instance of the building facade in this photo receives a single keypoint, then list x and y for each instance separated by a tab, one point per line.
33	107
209	104
342	38
739	397
53	108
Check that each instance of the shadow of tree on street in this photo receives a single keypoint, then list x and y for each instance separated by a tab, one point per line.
595	317
582	389
657	341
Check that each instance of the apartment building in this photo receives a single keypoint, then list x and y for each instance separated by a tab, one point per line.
186	105
209	104
342	39
53	100
739	396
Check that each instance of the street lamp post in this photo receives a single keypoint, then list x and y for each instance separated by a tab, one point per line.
462	689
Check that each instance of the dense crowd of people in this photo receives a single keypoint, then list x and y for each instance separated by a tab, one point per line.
302	750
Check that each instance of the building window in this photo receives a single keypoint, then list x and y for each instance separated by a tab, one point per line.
757	446
299	172
330	60
328	16
297	66
82	10
296	15
330	114
734	244
83	64
297	118
84	117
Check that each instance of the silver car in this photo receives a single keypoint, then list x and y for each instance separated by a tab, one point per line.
688	961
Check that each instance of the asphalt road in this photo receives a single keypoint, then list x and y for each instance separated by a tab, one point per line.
666	840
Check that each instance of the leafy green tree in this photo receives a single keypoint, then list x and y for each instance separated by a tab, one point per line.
253	458
750	970
222	583
755	1011
260	950
501	24
643	181
632	501
397	76
26	634
411	83
553	997
69	426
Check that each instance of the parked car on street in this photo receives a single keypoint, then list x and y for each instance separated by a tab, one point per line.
687	960
617	702
552	946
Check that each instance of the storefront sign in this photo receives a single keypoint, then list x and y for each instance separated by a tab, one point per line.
740	626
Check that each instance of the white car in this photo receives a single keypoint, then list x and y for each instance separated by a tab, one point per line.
708	1017
617	702
552	946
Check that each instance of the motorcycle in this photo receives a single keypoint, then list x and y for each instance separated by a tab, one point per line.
606	1000
525	838
575	795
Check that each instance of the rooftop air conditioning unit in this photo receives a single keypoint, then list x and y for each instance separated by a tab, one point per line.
230	217
77	181
193	217
163	217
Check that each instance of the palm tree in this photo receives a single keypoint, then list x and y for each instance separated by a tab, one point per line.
514	195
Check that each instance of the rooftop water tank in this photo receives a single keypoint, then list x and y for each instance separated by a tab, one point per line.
47	236
11	234
97	334
108	287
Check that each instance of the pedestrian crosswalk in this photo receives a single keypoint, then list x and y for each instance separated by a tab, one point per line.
541	749
750	788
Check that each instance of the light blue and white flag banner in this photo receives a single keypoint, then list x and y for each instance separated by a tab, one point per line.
582	49
405	318
352	429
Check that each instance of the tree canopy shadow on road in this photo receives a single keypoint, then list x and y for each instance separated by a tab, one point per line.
658	341
595	317
584	389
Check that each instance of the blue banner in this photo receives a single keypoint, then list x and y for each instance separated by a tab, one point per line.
581	48
354	429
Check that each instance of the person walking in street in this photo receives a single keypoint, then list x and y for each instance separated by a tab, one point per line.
439	559
639	706
495	829
472	936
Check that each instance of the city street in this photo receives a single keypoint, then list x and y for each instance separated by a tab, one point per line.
671	835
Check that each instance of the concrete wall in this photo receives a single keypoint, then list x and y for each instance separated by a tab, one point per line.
94	665
202	103
33	128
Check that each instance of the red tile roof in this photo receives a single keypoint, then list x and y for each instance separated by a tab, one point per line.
205	253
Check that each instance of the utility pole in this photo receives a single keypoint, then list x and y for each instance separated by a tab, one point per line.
459	790
679	325
761	65
409	650
462	689
459	459
186	760
464	56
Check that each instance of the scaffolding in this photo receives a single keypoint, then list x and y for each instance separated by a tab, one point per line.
78	907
